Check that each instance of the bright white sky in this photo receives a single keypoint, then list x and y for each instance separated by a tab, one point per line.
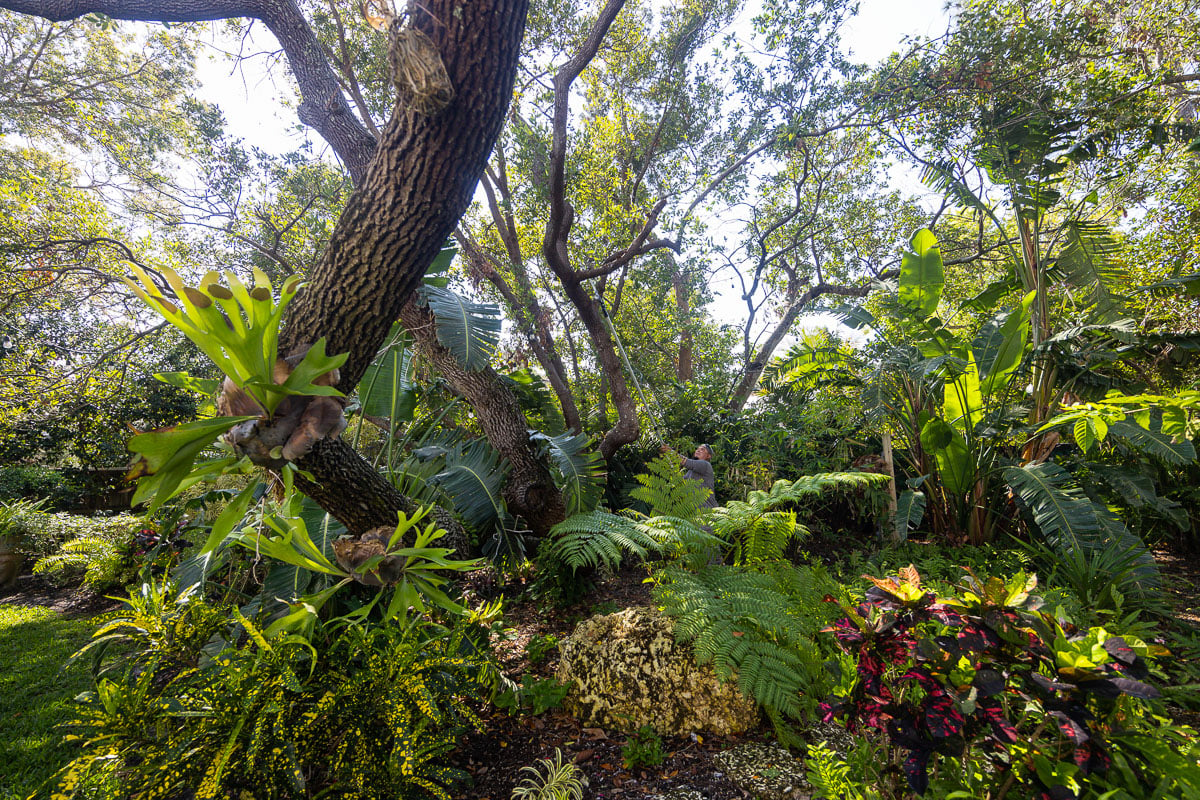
881	27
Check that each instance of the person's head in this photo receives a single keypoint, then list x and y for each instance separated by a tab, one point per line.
704	452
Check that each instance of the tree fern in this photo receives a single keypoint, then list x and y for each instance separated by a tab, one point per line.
667	492
752	628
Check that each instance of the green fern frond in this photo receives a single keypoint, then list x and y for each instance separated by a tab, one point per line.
599	538
748	626
667	492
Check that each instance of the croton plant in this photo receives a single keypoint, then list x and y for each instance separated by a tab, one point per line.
984	675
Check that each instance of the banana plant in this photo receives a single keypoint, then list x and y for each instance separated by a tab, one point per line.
949	400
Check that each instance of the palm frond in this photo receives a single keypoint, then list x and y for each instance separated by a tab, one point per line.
1091	263
468	330
472	476
580	469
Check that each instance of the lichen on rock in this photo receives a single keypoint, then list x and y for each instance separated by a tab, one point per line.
768	772
765	771
626	670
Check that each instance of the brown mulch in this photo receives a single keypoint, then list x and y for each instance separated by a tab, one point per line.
71	601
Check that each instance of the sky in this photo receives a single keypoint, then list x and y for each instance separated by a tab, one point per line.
880	27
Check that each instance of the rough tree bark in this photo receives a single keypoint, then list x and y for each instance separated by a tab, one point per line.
413	185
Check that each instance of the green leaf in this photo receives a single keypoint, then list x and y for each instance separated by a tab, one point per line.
314	364
1006	348
1154	443
987	299
921	274
468	330
231	515
955	464
962	400
473	477
182	380
165	457
581	469
1063	514
386	388
910	509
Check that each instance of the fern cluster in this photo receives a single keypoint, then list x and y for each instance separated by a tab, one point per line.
761	527
604	539
105	563
667	493
758	627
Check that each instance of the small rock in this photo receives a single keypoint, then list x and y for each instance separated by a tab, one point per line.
678	794
768	772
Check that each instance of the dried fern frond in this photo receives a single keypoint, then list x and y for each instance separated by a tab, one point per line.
418	70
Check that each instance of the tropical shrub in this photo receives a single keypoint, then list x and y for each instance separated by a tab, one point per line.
365	712
758	627
107	550
59	488
999	698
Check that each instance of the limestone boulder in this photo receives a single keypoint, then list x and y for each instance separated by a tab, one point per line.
625	671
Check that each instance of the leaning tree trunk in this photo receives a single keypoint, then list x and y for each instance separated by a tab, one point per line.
413	185
529	490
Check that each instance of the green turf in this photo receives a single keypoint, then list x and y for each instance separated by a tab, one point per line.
35	694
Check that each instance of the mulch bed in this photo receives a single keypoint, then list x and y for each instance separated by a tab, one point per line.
493	758
70	601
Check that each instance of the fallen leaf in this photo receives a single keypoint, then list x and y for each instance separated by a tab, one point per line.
584	755
595	733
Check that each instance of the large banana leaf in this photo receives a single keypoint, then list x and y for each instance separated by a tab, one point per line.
956	467
1082	530
921	273
962	401
468	330
910	509
580	468
1000	348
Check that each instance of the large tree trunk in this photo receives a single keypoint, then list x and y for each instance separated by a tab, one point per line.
412	188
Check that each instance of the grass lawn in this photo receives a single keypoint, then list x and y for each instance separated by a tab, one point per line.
35	694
